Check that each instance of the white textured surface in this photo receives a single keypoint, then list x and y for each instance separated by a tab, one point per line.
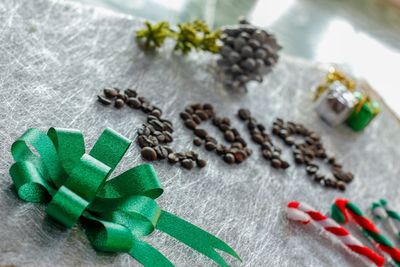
50	77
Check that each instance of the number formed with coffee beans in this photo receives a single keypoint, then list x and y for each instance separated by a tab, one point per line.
197	113
156	133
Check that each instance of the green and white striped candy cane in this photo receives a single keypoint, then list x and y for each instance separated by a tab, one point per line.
392	216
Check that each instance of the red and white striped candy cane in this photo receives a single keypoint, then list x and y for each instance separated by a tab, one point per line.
303	213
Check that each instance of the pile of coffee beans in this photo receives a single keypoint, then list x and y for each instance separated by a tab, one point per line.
262	138
311	148
155	133
247	54
196	113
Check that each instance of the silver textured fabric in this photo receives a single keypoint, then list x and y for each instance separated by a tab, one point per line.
56	57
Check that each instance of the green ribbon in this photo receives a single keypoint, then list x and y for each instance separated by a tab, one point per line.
114	213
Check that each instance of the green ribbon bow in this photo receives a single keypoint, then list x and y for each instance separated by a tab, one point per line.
114	213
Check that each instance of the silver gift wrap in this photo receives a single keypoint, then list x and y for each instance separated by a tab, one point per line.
336	104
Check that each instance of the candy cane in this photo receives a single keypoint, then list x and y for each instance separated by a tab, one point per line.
393	216
380	213
303	213
340	210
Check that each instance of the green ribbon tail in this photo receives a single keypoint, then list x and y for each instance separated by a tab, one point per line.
194	237
148	255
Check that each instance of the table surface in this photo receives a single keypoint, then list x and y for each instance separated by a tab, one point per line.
56	57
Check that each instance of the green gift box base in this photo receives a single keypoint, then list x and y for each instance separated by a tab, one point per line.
359	120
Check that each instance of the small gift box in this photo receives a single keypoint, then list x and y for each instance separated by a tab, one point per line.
336	103
363	113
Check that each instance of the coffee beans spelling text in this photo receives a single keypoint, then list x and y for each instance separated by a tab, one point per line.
196	113
156	132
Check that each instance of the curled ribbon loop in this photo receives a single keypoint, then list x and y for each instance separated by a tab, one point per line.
115	212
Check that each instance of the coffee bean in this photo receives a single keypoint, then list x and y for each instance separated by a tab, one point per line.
284	164
196	106
146	107
224	127
134	103
276	163
299	159
185	115
110	92
180	155
122	96
341	175
229	158
162	153
240	156
248	151
202	115
158	125
130	92
187	164
196	119
169	149
172	158
283	133
258	138
201	163
319	177
143	99
192	155
267	154
144	130
251	125
276	155
276	130
151	128
341	185
312	169
211	139
309	140
229	136
201	133
289	140
160	137
329	182
208	106
189	110
119	103
210	113
190	124
148	153
156	113
143	141
221	149
241	140
226	121
217	121
337	165
309	153
153	140
168	137
210	146
237	145
102	99
197	141
151	118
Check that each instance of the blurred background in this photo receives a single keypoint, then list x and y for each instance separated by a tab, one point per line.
363	35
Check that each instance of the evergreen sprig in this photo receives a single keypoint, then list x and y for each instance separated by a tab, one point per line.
191	35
